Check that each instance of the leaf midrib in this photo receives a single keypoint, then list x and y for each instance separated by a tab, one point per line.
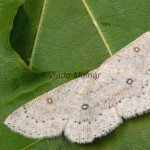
33	143
97	27
92	18
38	31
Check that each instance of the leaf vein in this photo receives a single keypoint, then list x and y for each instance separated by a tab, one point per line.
38	31
97	27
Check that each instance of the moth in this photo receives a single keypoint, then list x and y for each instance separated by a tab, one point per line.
85	108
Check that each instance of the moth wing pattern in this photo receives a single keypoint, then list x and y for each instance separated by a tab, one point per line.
133	58
46	115
131	93
94	116
86	108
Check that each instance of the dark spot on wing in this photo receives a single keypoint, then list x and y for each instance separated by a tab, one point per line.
24	107
136	49
129	81
49	101
85	106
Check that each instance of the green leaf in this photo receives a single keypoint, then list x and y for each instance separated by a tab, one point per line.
120	21
66	35
69	32
25	27
69	36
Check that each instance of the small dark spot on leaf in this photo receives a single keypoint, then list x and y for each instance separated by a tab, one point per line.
106	24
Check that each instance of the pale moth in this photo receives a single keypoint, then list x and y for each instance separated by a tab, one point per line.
85	109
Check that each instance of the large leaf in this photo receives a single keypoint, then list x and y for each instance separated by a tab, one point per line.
118	22
25	28
68	31
66	35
